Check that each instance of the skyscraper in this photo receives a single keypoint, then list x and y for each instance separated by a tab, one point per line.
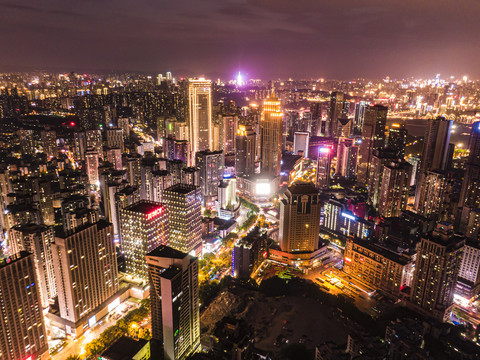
470	193
271	127
335	113
436	269
230	126
184	216
211	165
173	277
300	219
394	189
37	240
300	143
22	327
359	117
245	151
324	163
397	139
115	138
143	227
347	155
200	115
373	138
435	146
49	143
85	265
91	160
94	140
434	194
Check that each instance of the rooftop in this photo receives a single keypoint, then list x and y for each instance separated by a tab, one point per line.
167	252
124	348
13	258
144	207
182	188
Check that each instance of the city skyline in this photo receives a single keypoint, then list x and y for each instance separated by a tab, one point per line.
335	40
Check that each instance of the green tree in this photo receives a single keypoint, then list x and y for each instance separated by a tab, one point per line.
73	357
94	347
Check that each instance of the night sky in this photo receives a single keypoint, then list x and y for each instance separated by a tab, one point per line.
264	38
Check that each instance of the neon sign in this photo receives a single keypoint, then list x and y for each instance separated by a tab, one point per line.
348	216
154	213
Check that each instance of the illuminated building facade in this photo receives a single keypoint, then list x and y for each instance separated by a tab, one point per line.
245	151
394	189
184	206
230	126
115	138
211	165
300	219
91	161
434	194
144	226
379	159
341	221
200	126
373	138
397	139
93	139
175	303
324	164
85	265
439	256
470	192
468	281
49	143
379	268
114	156
271	127
22	327
347	155
227	204
37	240
300	143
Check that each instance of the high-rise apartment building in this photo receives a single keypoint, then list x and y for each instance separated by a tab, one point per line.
85	265
300	218
397	139
245	151
347	155
22	327
359	117
434	194
439	256
468	281
37	240
373	138
115	138
300	143
49	143
91	163
230	126
470	192
395	186
271	127
144	227
94	140
211	165
335	113
114	156
173	277
200	125
324	164
184	206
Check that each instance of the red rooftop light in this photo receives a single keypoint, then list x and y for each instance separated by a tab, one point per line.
154	213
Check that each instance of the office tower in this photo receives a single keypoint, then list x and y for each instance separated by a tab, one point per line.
335	113
80	144
22	329
397	139
227	202
324	163
344	127
245	151
271	127
200	125
115	138
37	240
85	265
114	156
173	277
359	117
144	226
248	253
211	165
415	162
300	218
184	216
339	218
434	194
300	143
124	124
439	256
468	281
394	188
177	149
49	143
470	192
230	126
373	138
347	155
435	146
91	164
94	140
